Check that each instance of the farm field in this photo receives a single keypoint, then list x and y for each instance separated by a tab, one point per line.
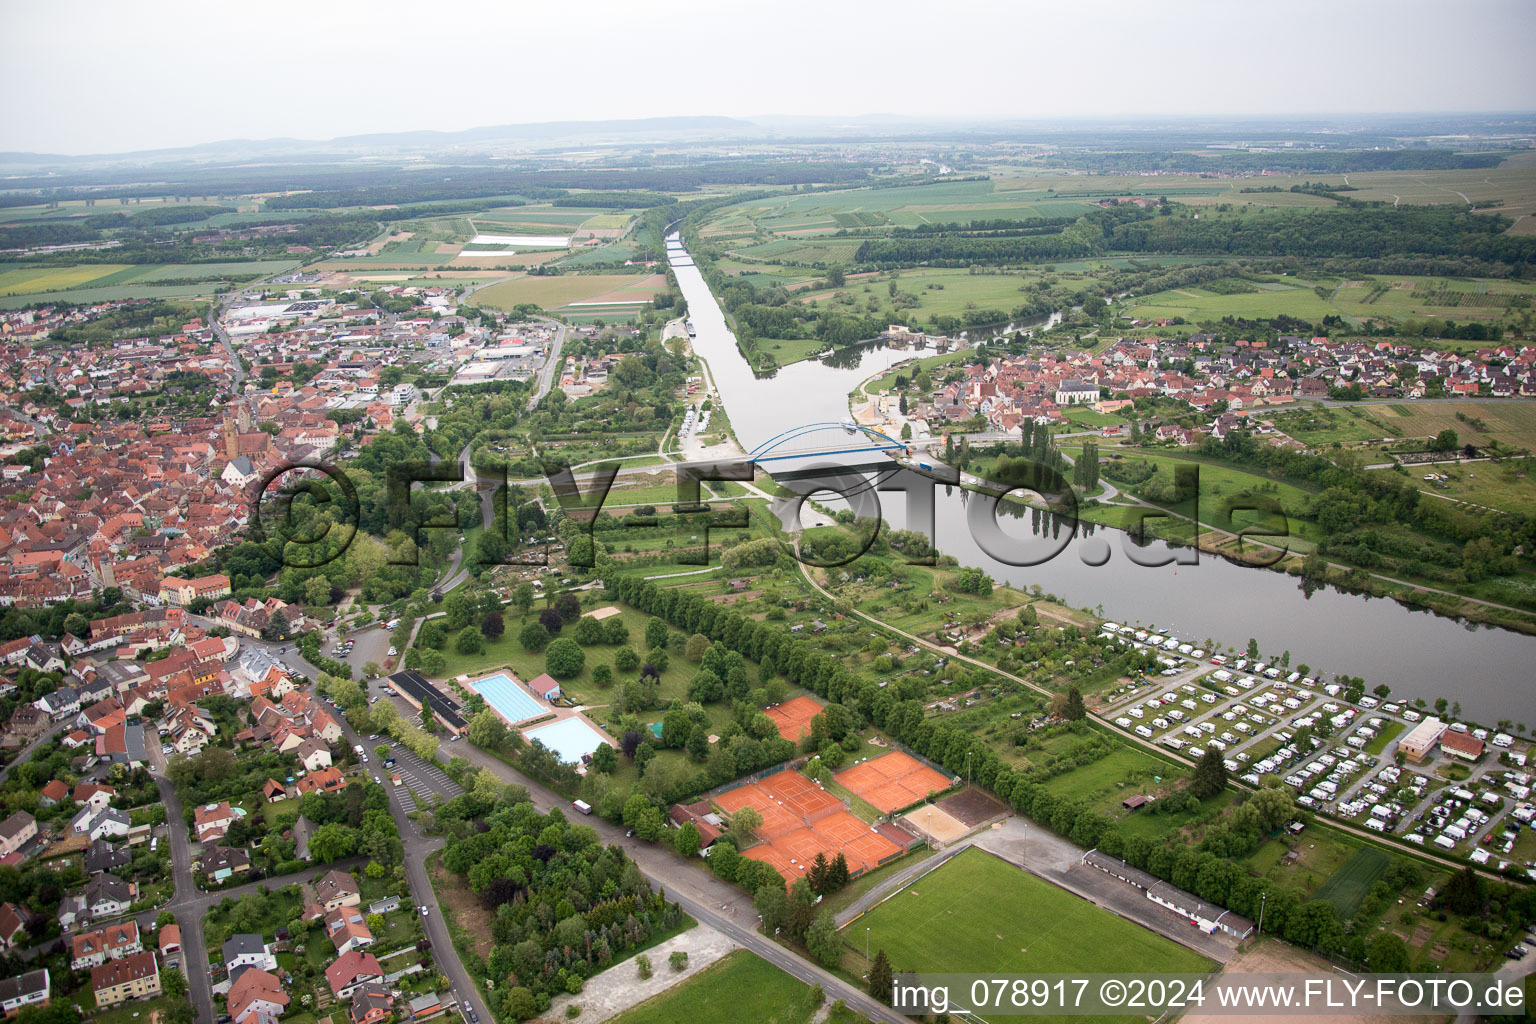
940	292
40	281
47	279
1511	422
1401	295
1199	304
979	913
557	291
740	987
909	206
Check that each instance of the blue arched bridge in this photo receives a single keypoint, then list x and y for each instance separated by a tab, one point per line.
828	438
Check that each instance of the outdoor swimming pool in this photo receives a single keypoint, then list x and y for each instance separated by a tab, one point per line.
512	701
569	738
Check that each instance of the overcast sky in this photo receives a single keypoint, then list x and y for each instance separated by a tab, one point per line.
86	76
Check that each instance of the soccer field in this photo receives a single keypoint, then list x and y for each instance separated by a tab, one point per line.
978	913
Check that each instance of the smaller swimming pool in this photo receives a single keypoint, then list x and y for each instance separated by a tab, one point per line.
512	701
569	738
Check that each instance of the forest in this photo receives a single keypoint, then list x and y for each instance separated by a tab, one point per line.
562	907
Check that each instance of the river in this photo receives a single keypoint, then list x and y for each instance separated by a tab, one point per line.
1417	654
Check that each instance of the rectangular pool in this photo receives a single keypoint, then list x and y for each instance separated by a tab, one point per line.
512	701
569	738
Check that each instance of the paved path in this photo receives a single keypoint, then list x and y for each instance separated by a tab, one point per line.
25	753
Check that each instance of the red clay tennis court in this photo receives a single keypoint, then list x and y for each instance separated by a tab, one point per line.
793	717
892	781
800	820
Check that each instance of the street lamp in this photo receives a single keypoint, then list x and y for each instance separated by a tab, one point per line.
866	943
1263	896
968	767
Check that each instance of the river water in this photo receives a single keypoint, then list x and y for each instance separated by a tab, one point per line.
1418	654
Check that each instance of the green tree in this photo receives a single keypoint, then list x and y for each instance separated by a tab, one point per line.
1387	954
564	658
1466	892
686	839
698	646
469	641
332	841
655	632
173	983
1075	711
881	977
771	901
822	942
744	824
589	631
487	731
1210	776
604	759
533	637
317	591
522	598
456	610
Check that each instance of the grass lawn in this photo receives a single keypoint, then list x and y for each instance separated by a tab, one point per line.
978	913
1120	774
1389	730
741	987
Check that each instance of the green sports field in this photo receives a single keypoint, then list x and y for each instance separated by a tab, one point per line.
978	913
740	987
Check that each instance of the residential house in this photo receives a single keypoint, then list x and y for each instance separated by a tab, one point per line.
336	889
256	997
313	754
108	896
371	1004
247	950
25	990
351	971
51	793
212	821
103	856
347	929
101	824
223	862
325	780
96	947
93	796
13	926
132	977
16	832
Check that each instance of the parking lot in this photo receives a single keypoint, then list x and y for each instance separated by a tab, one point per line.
421	782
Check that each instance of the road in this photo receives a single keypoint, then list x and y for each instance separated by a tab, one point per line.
706	898
25	752
552	362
